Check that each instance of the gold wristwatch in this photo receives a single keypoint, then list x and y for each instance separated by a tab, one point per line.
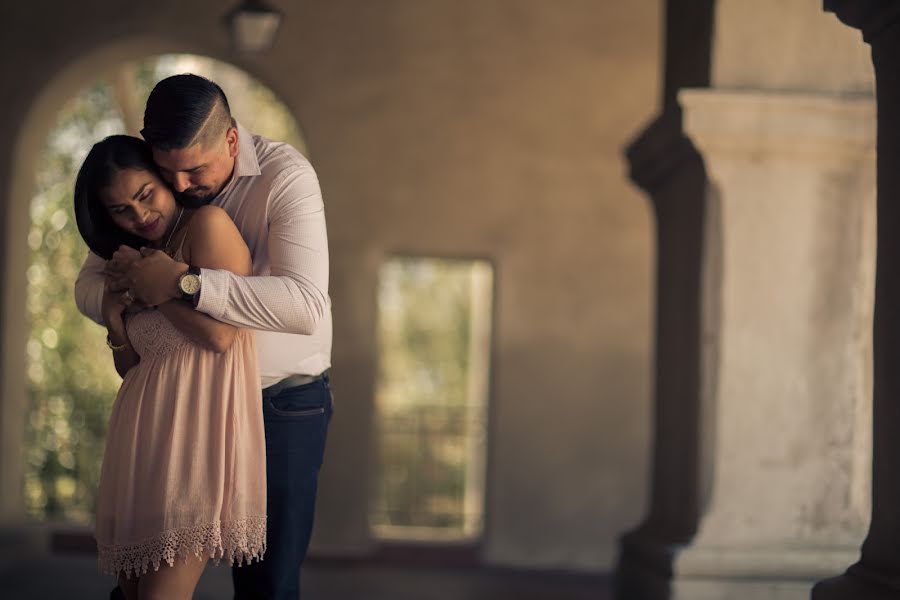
189	285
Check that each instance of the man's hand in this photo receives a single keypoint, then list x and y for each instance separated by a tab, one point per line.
117	303
153	279
117	268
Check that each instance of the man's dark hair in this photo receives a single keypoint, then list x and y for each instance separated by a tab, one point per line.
106	158
184	110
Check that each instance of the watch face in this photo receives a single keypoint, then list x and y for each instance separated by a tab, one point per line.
189	284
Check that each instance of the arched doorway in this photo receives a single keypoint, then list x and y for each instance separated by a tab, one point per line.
67	384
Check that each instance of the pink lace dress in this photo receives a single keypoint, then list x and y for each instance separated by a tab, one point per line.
184	467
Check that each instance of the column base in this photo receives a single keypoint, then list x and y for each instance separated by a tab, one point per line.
850	587
860	581
649	571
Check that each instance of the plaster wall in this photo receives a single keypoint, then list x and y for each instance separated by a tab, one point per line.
789	46
441	128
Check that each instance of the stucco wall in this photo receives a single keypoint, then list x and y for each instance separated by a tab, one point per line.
789	47
443	127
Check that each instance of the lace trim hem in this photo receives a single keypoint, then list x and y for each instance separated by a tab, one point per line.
237	542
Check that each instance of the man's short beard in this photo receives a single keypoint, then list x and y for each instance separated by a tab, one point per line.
190	201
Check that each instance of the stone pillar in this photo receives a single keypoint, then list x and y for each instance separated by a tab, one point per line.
876	575
791	418
763	425
763	415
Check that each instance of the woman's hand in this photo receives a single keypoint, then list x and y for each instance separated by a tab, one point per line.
117	299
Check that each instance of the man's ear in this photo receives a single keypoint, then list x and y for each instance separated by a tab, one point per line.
231	138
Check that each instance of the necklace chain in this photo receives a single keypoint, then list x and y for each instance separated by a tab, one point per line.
172	233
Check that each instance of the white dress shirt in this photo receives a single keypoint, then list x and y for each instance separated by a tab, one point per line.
274	199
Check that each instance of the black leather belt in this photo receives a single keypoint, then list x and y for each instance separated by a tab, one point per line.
293	381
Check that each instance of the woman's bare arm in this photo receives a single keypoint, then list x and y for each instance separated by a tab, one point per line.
213	242
124	356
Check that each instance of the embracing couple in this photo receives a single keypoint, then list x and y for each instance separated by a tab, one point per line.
209	269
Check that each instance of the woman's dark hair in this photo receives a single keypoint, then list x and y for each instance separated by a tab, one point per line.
106	158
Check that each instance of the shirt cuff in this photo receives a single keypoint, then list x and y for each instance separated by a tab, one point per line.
213	293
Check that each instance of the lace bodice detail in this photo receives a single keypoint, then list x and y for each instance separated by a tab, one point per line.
152	334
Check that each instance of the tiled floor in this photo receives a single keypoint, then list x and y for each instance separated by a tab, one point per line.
76	578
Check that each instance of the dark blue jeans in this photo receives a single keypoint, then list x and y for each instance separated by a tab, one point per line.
296	421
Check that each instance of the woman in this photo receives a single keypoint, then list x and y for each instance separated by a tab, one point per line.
180	481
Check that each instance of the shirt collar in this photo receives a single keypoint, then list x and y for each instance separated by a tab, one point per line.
246	162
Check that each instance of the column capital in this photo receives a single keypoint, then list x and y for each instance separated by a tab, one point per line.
779	126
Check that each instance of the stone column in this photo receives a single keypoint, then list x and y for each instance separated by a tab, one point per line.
790	409
763	424
876	575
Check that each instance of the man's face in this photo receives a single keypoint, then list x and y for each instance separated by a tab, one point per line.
198	174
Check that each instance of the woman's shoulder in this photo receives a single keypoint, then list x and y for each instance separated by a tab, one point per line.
210	212
210	229
210	220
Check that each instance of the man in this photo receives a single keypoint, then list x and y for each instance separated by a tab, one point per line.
272	193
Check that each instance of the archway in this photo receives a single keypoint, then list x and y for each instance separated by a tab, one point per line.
64	409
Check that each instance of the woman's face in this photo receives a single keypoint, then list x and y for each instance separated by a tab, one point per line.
140	203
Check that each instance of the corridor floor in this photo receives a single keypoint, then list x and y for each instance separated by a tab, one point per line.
76	578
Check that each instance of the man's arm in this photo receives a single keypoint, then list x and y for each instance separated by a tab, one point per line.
89	288
294	297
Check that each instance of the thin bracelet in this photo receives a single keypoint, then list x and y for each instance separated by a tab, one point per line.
113	347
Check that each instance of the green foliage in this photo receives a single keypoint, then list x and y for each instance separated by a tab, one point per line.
71	382
426	417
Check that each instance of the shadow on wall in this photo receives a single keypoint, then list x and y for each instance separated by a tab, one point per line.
688	267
